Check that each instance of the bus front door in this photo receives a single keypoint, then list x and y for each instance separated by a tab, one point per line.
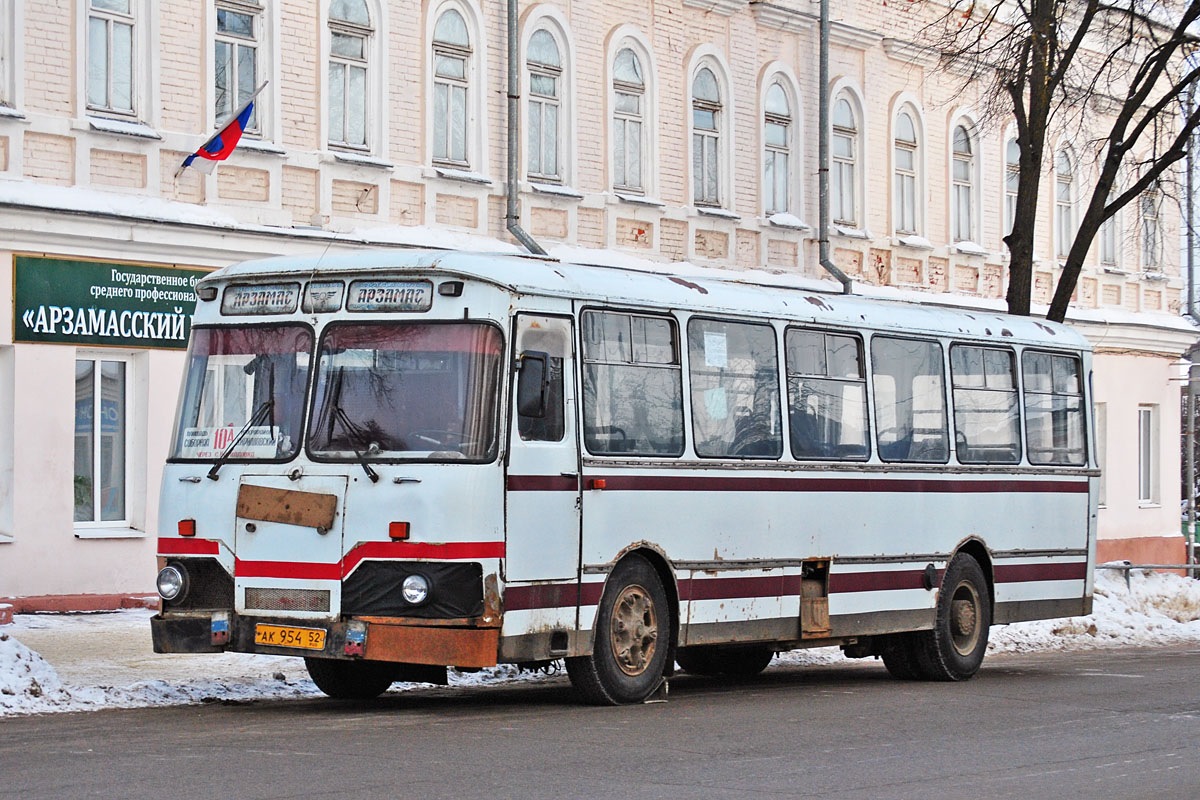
543	519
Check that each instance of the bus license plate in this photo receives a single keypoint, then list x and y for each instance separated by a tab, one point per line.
285	636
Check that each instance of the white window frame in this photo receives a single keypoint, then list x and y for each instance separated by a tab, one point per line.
845	171
255	10
1066	187
1150	215
558	105
906	179
1147	429
788	151
714	160
12	53
369	37
1010	181
964	184
642	121
101	528
1110	240
473	57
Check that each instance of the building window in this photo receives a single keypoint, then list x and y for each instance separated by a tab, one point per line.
451	87
1151	234
9	37
1148	455
904	188
706	139
1102	450
543	137
777	155
235	59
1064	203
101	413
1012	180
1109	252
110	56
962	190
629	122
843	173
349	42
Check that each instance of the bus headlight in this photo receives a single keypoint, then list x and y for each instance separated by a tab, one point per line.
415	589
172	582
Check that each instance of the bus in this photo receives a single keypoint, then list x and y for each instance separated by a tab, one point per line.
398	462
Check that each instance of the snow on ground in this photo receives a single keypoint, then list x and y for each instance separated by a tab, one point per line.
80	662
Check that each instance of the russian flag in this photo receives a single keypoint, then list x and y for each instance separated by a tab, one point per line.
222	143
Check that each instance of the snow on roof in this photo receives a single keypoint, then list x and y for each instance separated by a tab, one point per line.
121	672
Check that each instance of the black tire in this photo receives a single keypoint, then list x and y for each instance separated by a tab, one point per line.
899	653
954	649
632	638
351	680
736	661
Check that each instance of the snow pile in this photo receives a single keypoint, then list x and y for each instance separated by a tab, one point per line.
104	660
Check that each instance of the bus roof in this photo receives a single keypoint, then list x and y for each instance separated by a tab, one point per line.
639	288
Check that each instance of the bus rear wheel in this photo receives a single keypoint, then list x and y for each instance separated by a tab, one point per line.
737	661
350	680
632	638
954	649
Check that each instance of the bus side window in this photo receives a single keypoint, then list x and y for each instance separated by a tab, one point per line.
1053	409
632	385
551	337
987	427
910	400
735	389
827	395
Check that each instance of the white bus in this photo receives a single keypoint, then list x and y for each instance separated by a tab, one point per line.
396	462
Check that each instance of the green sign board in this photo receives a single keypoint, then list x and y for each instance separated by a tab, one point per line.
102	303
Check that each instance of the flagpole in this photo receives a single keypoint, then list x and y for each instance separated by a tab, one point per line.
228	120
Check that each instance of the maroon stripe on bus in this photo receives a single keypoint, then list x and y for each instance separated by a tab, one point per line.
1025	573
846	582
663	483
542	483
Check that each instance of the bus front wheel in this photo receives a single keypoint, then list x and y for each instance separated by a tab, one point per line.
350	680
954	649
633	633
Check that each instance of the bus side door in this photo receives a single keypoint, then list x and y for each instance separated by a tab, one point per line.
542	528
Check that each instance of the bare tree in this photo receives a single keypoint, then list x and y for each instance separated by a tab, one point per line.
1114	76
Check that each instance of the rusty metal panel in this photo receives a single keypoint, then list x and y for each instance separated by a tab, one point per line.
288	506
454	647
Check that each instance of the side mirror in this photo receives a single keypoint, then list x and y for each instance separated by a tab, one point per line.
533	383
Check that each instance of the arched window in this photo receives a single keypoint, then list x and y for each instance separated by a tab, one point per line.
962	187
1110	253
1148	205
451	89
904	187
543	137
777	155
706	139
843	174
1012	180
349	40
1064	203
628	122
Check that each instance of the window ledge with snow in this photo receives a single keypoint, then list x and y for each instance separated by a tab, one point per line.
1154	275
462	176
360	160
1115	271
639	199
557	190
970	248
720	213
262	146
790	221
914	241
109	533
851	232
8	112
122	127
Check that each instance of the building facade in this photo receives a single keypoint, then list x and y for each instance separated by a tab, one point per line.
666	131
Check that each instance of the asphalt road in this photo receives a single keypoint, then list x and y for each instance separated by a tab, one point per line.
1111	724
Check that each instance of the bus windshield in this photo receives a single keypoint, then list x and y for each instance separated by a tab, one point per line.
387	391
243	396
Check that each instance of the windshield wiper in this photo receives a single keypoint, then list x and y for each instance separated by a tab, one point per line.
258	416
356	435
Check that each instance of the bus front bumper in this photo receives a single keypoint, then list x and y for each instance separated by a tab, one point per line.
406	641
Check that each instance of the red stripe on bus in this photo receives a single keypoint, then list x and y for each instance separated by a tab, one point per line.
542	483
847	582
661	483
178	546
1025	573
375	551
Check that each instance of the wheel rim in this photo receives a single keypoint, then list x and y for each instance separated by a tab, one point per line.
964	618
634	630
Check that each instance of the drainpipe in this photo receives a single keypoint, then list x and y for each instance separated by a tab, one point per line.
512	217
823	156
